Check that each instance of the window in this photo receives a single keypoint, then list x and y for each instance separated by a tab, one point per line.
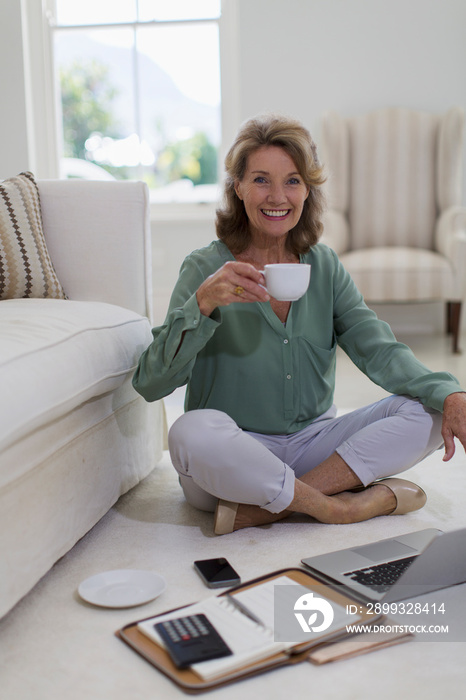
139	86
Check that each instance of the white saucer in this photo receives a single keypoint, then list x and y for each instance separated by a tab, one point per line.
122	588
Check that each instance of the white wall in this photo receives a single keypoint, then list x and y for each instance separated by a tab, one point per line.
28	133
15	152
172	241
303	57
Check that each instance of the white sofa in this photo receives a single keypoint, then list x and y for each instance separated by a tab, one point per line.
74	435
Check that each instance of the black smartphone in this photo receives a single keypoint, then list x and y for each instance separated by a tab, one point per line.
217	573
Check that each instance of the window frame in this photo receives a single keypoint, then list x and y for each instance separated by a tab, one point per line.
45	104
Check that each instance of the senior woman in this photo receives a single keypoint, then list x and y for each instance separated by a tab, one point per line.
260	437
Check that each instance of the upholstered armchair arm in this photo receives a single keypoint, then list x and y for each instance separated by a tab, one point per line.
98	236
450	241
336	231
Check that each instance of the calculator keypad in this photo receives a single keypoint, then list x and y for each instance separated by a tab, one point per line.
191	639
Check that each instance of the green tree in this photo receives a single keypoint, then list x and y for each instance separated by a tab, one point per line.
86	99
194	158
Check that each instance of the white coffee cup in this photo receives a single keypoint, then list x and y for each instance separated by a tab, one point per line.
287	282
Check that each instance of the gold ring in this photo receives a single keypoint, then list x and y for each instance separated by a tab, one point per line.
239	290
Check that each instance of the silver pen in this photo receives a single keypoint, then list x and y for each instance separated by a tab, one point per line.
242	608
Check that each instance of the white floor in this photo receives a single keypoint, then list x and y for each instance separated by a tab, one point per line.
54	646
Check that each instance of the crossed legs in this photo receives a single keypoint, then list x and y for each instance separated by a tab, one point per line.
325	494
217	460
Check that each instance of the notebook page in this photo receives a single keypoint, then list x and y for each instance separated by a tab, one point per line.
260	599
276	609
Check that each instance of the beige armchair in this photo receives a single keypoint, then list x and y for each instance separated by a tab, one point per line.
395	216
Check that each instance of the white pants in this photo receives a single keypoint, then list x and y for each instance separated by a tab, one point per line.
216	459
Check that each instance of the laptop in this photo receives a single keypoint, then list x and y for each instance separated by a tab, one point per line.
395	568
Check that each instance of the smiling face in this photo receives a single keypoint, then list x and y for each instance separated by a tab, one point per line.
273	193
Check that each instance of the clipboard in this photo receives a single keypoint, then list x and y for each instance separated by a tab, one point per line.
191	682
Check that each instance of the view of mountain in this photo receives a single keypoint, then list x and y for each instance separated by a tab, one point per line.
164	108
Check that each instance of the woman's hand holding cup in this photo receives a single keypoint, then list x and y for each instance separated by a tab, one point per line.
233	282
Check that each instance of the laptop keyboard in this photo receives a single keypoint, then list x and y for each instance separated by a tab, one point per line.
381	576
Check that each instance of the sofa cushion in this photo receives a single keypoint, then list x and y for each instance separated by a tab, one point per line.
56	354
26	269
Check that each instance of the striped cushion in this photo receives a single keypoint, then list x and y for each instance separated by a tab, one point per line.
400	274
392	175
26	269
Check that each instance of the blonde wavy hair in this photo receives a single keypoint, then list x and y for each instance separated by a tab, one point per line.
232	223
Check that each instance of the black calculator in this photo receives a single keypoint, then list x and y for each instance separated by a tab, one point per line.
192	639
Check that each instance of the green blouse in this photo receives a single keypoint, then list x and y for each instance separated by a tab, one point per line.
270	377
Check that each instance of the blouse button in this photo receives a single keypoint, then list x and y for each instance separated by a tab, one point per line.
286	341
288	376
